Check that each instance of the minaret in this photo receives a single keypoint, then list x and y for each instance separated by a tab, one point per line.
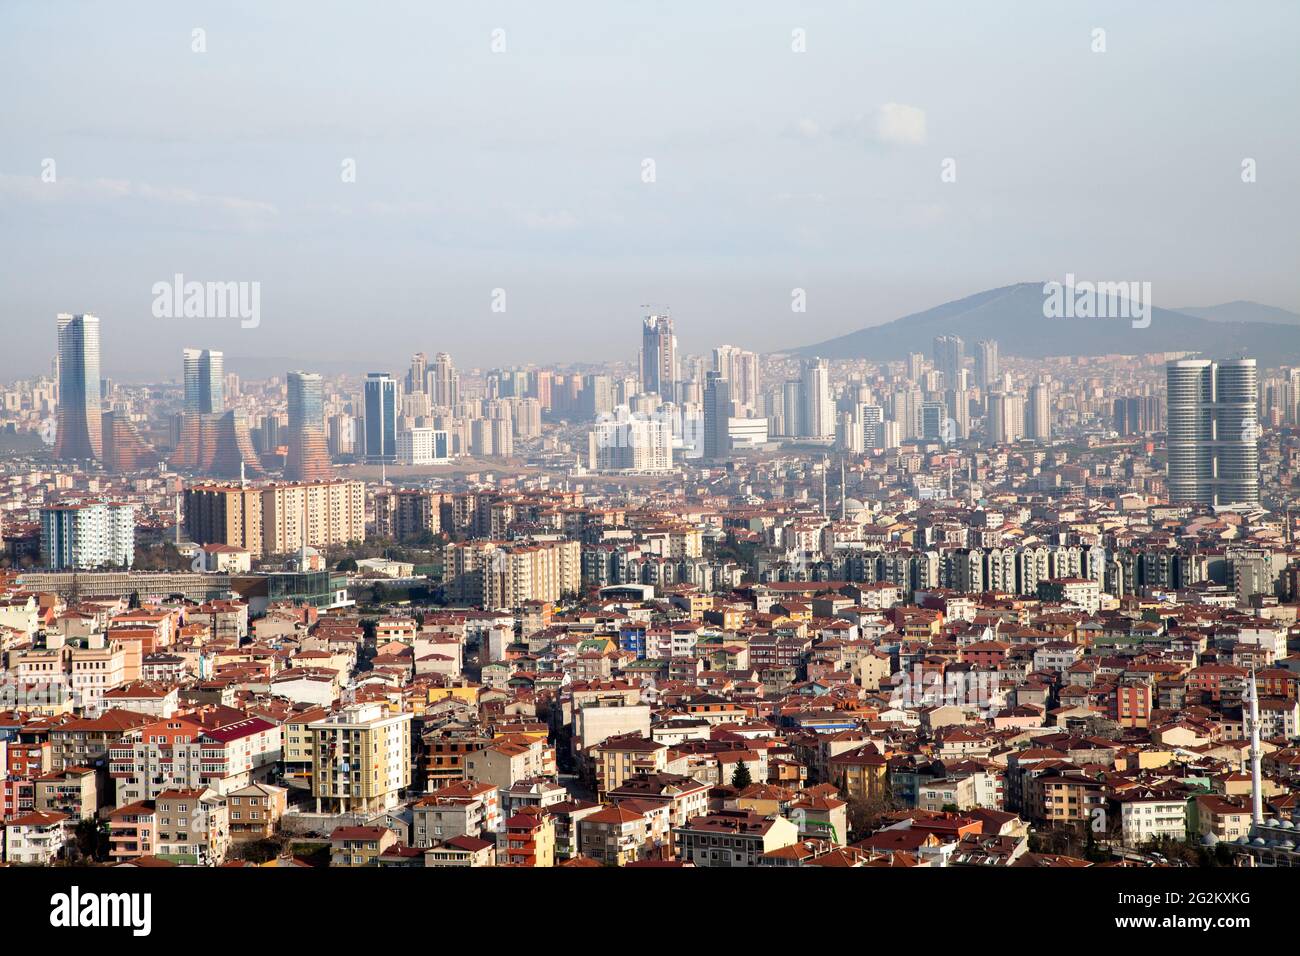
302	554
825	468
844	490
1257	793
178	519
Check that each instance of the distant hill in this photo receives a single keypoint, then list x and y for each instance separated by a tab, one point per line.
1243	311
1013	315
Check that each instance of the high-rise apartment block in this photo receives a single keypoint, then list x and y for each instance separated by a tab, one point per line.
88	535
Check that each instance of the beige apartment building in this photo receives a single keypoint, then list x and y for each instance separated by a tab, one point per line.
493	575
361	759
225	514
277	518
318	513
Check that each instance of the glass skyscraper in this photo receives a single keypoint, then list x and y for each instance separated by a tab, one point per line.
381	418
204	381
80	427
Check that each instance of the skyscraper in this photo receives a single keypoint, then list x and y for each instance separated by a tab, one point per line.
792	409
308	455
444	382
80	423
717	417
381	418
1005	421
204	381
986	364
818	416
416	375
949	355
659	357
740	369
1213	428
1038	413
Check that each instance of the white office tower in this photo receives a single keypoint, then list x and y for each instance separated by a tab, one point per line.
1213	426
818	418
423	446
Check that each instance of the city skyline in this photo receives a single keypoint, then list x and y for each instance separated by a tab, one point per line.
775	170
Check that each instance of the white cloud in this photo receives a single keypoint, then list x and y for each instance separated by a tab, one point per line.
900	125
892	124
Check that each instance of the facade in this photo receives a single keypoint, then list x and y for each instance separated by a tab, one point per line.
80	420
381	418
659	357
717	417
307	458
1213	427
632	443
817	412
360	846
204	376
361	759
221	750
192	827
732	838
423	446
35	838
278	518
88	535
254	811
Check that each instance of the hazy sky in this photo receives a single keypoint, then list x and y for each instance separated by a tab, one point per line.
522	170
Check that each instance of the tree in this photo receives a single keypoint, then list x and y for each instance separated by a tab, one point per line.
740	778
867	811
89	841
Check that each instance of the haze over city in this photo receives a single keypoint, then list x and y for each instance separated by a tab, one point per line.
521	169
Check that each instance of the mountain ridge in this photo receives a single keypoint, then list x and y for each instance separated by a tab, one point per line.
1013	315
